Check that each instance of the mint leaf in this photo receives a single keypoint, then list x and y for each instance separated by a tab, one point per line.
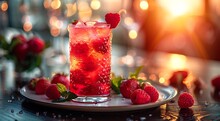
136	73
61	88
68	96
3	43
13	44
115	83
71	96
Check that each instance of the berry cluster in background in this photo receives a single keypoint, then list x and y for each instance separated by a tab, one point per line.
26	53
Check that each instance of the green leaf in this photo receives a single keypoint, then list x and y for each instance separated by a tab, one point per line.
115	83
3	43
68	96
13	44
136	73
61	88
71	96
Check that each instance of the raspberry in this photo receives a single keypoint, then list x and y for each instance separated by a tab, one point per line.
60	78
41	86
89	64
152	92
139	96
77	76
21	51
127	87
101	45
79	50
185	100
36	45
113	19
216	82
32	83
177	78
52	92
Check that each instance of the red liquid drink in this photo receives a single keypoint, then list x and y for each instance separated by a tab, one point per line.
90	59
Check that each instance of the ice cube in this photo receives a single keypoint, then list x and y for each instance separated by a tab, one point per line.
80	23
102	24
90	23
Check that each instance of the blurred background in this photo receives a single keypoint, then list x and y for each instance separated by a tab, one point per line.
177	26
188	27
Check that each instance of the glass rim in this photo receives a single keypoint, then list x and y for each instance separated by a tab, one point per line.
94	26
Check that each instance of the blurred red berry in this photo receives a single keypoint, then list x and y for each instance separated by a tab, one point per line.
216	82
177	78
20	38
21	51
36	45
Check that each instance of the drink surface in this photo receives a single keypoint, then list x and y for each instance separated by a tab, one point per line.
90	59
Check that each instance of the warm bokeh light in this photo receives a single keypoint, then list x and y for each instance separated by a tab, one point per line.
127	60
95	4
54	31
144	5
142	76
71	9
83	5
4	6
183	7
177	61
162	80
85	11
55	4
52	19
46	3
132	34
153	77
128	21
27	26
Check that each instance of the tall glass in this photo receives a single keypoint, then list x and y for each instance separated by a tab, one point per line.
90	61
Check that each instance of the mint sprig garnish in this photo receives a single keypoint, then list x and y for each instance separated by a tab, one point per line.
117	80
66	95
136	73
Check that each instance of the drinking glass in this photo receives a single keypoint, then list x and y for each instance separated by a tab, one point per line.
90	61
